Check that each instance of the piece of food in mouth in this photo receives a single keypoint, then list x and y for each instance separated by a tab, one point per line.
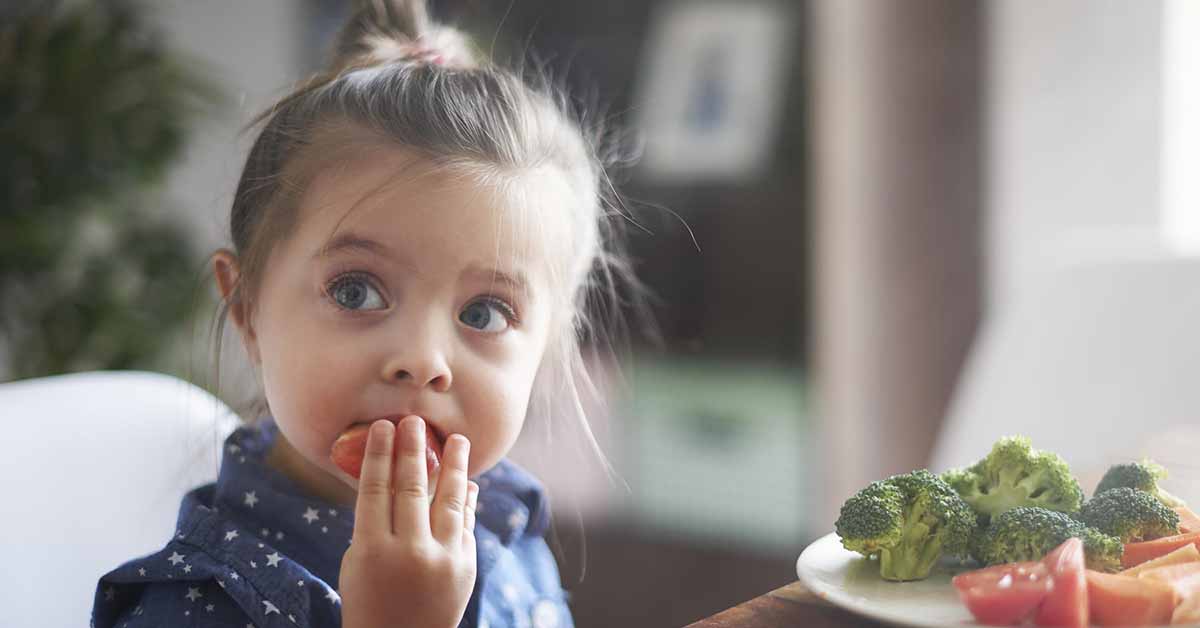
350	448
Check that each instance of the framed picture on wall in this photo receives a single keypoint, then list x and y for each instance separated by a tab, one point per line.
710	90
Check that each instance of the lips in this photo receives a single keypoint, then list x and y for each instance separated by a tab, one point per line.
350	449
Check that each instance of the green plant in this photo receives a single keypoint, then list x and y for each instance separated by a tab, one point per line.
94	108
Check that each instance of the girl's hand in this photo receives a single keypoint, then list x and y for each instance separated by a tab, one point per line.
411	562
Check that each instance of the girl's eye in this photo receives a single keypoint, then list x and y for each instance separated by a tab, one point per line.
489	315
353	292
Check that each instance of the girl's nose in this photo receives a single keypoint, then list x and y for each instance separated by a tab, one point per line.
419	366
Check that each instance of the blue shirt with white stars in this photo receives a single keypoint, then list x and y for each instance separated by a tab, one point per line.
254	550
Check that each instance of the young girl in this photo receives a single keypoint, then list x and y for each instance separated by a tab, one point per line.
416	235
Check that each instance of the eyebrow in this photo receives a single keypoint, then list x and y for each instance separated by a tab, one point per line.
348	241
515	281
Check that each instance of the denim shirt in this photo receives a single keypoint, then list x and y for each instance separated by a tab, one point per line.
254	550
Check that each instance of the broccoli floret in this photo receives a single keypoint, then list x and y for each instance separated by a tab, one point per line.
1030	532
1101	551
908	522
1013	475
1144	476
1130	515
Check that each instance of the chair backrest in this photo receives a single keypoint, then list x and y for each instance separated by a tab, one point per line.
1100	362
94	469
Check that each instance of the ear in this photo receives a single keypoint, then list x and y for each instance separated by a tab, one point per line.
225	267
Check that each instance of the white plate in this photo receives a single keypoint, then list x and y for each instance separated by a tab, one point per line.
848	580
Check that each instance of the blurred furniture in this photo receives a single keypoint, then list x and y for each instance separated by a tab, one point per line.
791	605
93	474
1098	361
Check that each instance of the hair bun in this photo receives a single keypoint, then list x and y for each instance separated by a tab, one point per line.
443	46
399	31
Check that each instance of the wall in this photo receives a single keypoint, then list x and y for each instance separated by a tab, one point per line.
1074	96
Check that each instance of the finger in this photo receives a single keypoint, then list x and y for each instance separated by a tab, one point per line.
447	512
372	510
469	511
410	509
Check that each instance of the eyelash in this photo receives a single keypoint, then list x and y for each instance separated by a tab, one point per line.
507	310
340	277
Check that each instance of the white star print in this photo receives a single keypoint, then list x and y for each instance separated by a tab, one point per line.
186	613
292	619
260	546
279	536
253	565
187	569
510	592
545	615
194	594
273	559
175	558
110	593
233	449
270	608
251	498
332	512
299	583
142	571
209	608
311	515
517	519
265	532
231	535
221	583
233	574
332	596
324	529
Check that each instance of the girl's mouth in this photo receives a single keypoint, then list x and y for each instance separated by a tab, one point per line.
350	448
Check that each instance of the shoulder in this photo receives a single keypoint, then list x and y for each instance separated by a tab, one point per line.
204	575
184	603
512	503
522	588
519	583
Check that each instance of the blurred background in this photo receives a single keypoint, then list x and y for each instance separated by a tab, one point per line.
881	234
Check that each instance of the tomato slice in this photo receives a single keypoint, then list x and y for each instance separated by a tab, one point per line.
1003	595
1067	603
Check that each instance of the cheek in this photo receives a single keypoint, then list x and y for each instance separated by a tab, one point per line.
497	406
307	384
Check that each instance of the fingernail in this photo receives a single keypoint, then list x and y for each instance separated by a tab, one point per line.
381	428
415	425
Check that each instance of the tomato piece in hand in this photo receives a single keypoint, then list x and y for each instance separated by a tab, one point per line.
1003	595
1067	603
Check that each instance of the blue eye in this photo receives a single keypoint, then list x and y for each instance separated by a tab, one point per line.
354	292
487	315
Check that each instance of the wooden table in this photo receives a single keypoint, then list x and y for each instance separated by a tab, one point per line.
791	605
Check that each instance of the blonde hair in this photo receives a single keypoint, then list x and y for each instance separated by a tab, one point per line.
398	79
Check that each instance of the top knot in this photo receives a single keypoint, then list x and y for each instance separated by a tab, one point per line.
444	47
399	31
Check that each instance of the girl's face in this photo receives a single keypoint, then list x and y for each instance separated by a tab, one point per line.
404	290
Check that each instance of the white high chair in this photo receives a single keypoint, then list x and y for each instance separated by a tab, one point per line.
94	467
1099	362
